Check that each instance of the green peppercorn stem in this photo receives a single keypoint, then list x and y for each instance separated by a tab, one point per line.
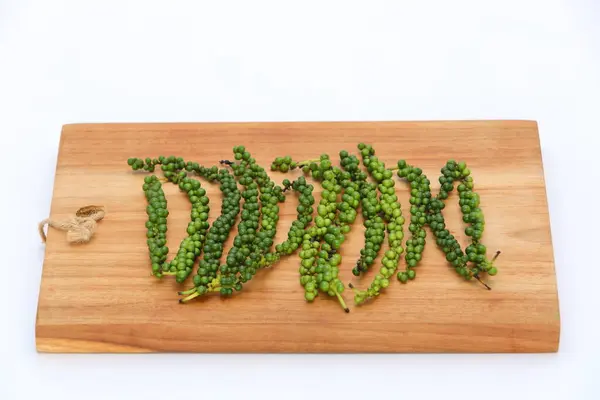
370	208
344	218
308	260
296	232
189	297
191	247
237	260
420	198
156	225
320	259
473	262
219	231
208	268
270	196
313	263
392	215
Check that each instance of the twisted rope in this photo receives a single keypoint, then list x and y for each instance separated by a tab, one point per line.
80	227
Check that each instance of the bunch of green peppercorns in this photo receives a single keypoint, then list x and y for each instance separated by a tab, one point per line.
250	194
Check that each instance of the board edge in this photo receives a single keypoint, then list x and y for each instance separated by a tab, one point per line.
69	127
558	322
49	234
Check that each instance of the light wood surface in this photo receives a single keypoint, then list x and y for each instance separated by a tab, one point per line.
100	297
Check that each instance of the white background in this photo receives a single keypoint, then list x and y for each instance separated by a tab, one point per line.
109	61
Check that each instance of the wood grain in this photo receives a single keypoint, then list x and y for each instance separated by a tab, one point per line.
100	297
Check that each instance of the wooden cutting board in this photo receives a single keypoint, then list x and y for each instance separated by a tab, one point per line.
100	297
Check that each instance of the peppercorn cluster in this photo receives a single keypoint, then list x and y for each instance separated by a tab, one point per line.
251	198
